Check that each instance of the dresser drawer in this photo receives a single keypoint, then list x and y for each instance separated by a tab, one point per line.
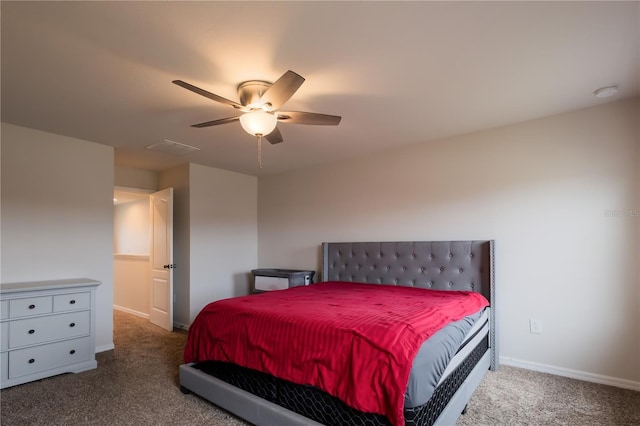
32	331
30	306
4	336
4	309
47	328
71	302
4	365
45	357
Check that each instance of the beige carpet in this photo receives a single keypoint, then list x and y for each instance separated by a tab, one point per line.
137	384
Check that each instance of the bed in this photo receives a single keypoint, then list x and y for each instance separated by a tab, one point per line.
462	266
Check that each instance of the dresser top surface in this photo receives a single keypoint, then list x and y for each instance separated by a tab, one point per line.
47	285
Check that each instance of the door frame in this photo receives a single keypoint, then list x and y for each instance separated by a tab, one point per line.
147	193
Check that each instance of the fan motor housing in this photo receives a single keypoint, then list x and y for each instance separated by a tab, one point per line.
251	91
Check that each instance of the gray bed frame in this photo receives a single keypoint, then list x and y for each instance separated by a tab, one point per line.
439	265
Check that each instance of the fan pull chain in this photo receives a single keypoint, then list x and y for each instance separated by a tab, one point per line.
260	150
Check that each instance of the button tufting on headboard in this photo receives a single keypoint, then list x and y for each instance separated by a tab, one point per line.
440	265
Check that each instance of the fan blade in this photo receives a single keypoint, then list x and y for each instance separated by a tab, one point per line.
209	95
216	122
282	90
299	117
274	137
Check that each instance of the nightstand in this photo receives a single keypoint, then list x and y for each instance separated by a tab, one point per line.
280	279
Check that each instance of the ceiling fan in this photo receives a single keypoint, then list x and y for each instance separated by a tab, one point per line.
260	103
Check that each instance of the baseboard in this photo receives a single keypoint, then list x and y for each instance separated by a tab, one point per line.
131	311
146	316
573	374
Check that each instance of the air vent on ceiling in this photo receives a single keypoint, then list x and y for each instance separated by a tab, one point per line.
172	147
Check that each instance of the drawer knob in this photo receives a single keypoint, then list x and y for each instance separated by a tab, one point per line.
31	361
32	331
73	324
32	306
72	351
72	302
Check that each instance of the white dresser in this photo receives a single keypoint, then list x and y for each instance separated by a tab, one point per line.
47	328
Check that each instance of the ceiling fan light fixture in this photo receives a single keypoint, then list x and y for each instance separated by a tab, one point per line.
258	122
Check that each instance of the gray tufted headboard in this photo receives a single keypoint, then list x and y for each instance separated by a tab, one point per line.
438	265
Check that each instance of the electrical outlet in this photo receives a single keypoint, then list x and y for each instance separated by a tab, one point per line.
535	326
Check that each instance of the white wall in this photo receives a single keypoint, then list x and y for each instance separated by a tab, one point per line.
131	177
215	236
132	284
57	214
132	227
224	234
132	267
539	188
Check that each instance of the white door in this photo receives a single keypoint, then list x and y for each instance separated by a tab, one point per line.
161	312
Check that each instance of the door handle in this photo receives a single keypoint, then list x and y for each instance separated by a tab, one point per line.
170	266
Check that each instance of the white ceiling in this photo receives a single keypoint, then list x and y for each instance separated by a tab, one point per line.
397	72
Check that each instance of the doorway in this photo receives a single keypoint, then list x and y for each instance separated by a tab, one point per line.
131	251
143	254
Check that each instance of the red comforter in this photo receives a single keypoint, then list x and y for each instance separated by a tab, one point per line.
355	341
